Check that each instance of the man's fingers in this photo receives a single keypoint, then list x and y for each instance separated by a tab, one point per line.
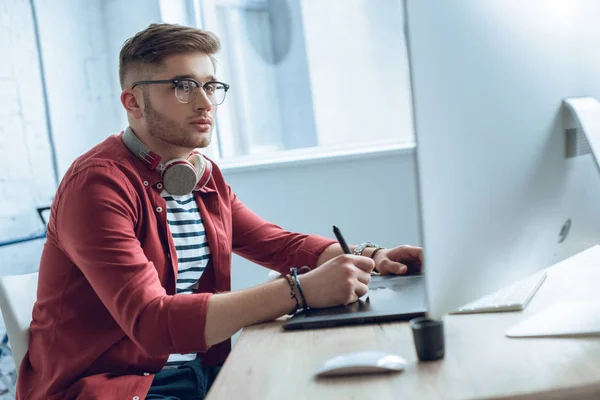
398	268
419	254
361	289
364	277
364	263
409	255
390	267
415	253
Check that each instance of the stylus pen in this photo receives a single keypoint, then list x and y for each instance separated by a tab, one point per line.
340	239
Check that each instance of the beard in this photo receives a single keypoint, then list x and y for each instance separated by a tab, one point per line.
171	132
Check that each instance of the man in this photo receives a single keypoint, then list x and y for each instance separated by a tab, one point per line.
134	293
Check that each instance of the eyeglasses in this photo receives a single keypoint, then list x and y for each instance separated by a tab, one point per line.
187	89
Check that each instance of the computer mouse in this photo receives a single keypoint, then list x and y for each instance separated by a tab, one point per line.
362	362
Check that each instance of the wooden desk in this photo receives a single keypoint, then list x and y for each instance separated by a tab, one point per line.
480	362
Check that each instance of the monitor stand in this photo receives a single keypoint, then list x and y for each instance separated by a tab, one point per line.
578	318
582	127
564	319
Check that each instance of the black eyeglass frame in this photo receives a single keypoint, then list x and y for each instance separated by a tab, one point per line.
175	82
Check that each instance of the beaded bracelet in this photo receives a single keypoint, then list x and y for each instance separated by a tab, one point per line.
299	286
291	282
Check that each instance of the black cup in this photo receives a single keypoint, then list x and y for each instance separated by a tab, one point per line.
428	335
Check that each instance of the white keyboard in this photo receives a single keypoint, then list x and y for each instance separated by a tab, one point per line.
512	298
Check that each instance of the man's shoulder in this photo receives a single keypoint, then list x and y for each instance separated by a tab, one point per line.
111	150
109	157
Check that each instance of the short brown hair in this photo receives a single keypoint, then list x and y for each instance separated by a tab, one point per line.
149	47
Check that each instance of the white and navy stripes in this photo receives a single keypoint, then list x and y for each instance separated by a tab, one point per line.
193	253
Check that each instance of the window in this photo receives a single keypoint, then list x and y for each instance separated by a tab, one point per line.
309	73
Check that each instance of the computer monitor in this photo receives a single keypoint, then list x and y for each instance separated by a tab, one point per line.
498	198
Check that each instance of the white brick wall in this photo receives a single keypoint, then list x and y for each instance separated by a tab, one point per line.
82	106
83	109
26	174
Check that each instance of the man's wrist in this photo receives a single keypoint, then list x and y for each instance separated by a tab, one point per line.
362	249
368	252
375	251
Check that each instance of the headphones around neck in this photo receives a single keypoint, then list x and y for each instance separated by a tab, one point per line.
180	176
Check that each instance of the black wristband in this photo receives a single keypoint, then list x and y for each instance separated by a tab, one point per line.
373	258
375	252
295	275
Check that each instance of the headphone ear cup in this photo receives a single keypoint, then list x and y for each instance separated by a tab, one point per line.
203	169
179	177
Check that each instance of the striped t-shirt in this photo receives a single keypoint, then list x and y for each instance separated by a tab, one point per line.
193	253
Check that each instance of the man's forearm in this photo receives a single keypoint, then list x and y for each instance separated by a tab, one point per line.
229	312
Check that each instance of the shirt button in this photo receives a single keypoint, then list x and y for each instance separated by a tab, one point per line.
145	183
159	186
158	209
136	398
146	373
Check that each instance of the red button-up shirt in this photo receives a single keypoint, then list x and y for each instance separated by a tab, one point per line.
106	317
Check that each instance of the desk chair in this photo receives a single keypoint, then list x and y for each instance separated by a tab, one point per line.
272	275
17	297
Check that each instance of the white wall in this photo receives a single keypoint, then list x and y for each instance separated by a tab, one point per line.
74	51
122	20
358	70
26	173
83	109
371	197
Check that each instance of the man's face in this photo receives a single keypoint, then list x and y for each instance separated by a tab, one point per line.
186	125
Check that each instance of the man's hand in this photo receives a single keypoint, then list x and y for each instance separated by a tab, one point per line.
341	280
399	260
